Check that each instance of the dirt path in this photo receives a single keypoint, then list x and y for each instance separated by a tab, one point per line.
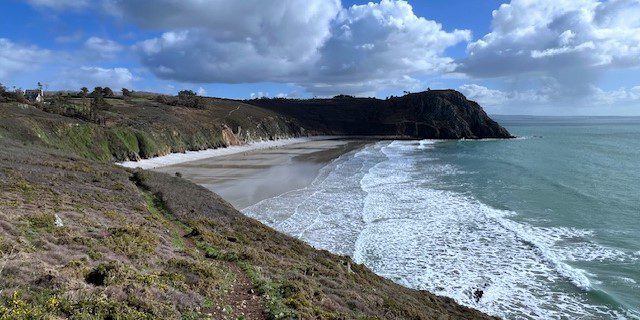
243	301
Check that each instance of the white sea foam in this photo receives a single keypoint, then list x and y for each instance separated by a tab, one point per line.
175	158
626	280
379	205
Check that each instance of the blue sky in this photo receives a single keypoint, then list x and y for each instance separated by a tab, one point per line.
553	57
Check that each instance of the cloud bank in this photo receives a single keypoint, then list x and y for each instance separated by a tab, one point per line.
317	44
561	48
90	77
15	58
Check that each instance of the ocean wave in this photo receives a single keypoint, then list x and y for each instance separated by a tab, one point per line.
378	205
449	225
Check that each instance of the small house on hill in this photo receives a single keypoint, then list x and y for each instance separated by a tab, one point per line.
36	95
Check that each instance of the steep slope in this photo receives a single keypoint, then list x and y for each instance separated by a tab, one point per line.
436	114
148	126
85	239
129	129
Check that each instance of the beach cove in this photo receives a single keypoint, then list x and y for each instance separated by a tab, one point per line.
244	175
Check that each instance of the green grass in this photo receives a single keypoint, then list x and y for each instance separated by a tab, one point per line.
159	212
132	240
274	301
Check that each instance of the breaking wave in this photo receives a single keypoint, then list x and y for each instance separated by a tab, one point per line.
384	206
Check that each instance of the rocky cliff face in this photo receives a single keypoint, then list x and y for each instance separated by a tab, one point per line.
437	114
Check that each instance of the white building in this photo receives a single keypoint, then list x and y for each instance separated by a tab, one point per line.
36	95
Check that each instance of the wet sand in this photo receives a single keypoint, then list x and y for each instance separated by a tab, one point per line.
246	178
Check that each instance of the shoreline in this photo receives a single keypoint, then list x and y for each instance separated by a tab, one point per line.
188	156
246	178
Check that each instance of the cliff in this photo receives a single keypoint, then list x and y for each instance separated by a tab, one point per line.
118	129
436	114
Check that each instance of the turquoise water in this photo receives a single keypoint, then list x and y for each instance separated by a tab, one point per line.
543	226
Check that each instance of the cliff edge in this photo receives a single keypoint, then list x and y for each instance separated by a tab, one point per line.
434	114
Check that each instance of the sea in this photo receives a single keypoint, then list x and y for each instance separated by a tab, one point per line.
544	226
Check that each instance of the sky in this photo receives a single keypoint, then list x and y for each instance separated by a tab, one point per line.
535	57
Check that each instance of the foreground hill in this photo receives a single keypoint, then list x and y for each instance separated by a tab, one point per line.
83	239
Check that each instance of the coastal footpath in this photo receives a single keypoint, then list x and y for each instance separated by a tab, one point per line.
83	238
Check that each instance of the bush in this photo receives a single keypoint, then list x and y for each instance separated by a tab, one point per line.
97	92
189	99
133	241
107	92
99	275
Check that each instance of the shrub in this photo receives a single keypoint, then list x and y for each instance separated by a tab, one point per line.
99	275
132	241
107	92
189	99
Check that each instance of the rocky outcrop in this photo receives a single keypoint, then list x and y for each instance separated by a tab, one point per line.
230	138
436	114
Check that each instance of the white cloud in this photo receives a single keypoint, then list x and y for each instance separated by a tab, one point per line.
16	58
557	36
75	78
231	41
598	100
103	48
381	45
317	44
257	95
555	52
484	95
618	96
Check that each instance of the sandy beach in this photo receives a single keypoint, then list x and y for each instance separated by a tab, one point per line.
248	177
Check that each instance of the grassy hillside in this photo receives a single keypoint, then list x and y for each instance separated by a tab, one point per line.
83	239
144	126
132	128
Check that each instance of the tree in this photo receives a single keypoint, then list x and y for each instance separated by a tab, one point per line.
188	98
186	94
3	89
126	92
84	91
97	92
107	92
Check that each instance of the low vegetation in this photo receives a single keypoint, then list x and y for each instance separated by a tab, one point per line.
104	127
81	238
144	245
